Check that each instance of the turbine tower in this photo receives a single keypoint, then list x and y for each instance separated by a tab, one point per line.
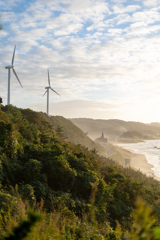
9	67
47	91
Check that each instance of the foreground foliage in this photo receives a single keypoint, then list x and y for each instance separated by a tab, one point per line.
62	225
80	194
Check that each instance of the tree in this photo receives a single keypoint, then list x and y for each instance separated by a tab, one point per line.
7	140
60	132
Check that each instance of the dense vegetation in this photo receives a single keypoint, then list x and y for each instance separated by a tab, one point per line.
78	194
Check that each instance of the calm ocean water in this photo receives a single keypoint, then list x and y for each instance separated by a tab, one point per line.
151	149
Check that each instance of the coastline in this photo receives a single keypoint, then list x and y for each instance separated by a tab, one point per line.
138	161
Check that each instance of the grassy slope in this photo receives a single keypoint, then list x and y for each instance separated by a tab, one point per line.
113	128
120	155
73	133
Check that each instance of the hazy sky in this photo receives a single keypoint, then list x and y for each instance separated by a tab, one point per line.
103	56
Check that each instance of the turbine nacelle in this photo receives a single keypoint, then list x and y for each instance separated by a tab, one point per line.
9	66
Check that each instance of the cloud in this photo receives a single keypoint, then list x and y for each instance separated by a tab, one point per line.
103	56
80	108
122	9
8	4
151	3
3	34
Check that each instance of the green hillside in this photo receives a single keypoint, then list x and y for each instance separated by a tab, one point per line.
114	128
77	193
73	133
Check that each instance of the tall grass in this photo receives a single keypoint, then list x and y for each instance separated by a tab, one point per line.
60	224
63	225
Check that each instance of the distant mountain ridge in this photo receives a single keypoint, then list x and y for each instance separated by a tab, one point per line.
113	128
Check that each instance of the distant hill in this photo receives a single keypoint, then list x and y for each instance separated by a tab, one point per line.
73	133
115	128
132	135
156	124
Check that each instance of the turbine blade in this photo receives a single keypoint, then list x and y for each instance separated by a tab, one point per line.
49	78
17	77
54	91
13	55
45	92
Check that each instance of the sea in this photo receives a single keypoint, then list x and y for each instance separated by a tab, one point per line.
151	149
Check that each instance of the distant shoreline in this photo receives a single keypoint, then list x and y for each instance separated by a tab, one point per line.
138	161
135	140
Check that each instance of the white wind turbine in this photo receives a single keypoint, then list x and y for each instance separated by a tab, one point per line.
47	91
9	67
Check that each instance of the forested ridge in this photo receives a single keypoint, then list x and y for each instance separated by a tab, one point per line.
72	191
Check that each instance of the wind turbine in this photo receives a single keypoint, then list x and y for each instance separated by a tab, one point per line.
47	91
9	67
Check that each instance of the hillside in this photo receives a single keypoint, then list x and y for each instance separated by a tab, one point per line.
80	194
73	133
131	135
115	128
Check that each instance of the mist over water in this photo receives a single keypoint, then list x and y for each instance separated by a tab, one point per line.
151	149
